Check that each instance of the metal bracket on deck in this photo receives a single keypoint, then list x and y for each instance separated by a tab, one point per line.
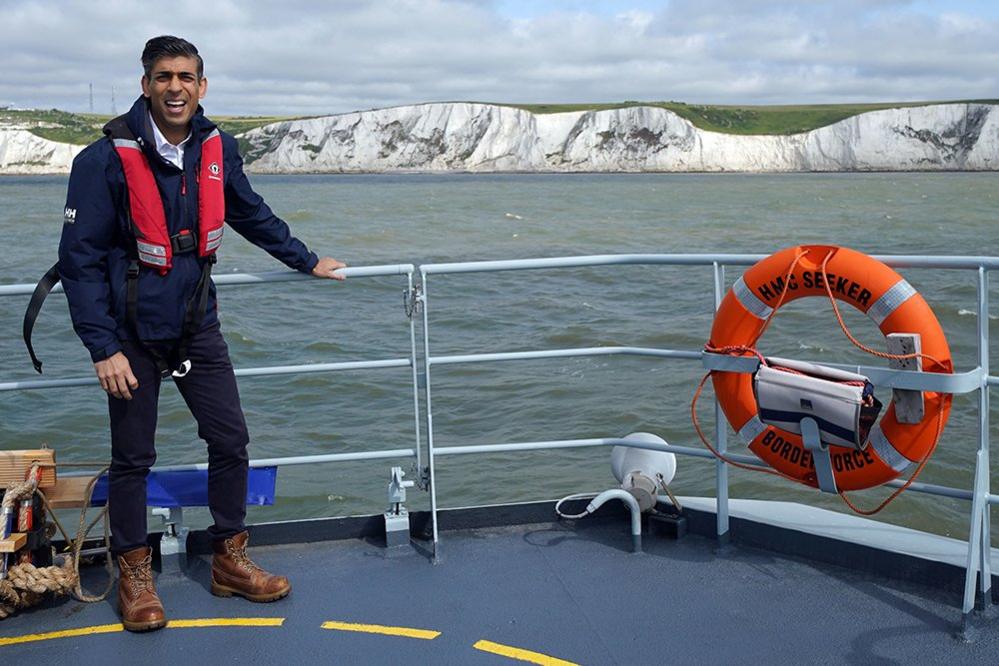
397	517
820	456
173	545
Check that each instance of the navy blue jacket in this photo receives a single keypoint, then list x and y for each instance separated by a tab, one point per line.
96	239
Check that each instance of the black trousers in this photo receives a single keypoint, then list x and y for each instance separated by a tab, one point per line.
211	394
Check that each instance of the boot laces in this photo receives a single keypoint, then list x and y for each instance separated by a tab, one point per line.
139	575
240	557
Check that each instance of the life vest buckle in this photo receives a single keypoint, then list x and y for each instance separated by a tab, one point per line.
183	242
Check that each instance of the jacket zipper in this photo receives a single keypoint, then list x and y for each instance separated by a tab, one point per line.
183	197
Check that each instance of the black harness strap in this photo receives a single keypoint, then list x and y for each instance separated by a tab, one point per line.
196	308
42	289
131	316
174	362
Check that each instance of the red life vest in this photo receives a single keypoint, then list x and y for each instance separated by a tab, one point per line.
152	236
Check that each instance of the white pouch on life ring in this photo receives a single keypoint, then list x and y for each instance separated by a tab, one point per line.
841	403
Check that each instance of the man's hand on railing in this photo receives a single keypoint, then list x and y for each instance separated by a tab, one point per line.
115	375
326	268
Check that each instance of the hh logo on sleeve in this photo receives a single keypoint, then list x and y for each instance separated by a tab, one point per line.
69	216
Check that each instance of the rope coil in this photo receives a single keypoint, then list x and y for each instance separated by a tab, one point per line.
26	585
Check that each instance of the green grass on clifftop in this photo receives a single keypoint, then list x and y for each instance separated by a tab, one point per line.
55	125
784	119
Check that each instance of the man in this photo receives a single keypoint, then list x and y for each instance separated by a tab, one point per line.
144	217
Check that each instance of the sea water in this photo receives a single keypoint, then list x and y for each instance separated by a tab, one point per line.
389	219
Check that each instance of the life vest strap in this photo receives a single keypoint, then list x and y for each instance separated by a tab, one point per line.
42	289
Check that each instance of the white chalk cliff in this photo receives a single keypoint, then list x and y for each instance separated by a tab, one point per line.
21	152
487	138
481	137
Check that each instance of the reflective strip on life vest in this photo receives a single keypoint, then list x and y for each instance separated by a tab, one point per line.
155	255
149	248
213	239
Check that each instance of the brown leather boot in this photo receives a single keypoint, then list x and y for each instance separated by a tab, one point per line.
138	602
235	573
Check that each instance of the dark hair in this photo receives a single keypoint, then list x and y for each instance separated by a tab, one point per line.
168	46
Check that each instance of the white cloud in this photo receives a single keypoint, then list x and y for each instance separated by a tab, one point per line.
312	57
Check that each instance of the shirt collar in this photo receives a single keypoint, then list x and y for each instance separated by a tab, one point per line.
164	147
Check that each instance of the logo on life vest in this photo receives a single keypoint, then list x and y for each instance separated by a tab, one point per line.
213	170
69	216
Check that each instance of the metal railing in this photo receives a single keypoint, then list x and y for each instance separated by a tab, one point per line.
978	379
417	300
271	277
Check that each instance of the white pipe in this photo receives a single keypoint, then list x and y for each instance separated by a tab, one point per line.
631	503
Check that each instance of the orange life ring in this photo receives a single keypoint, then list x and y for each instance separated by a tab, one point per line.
871	287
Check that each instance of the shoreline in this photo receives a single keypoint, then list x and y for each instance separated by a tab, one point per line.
456	172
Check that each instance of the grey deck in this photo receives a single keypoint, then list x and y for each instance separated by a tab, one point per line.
572	592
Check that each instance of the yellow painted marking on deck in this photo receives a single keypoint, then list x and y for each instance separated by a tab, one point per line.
521	655
226	622
68	633
172	624
408	632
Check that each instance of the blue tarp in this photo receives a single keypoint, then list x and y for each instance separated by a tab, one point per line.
177	489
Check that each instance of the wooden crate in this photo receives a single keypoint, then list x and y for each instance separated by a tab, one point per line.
15	464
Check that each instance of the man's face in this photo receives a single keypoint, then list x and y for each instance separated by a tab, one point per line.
174	90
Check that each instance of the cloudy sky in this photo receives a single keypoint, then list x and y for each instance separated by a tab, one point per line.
315	57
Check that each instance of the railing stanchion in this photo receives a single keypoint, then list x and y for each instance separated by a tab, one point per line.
979	538
430	415
974	540
721	432
412	301
983	432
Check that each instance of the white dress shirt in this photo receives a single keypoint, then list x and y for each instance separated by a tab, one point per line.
168	151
